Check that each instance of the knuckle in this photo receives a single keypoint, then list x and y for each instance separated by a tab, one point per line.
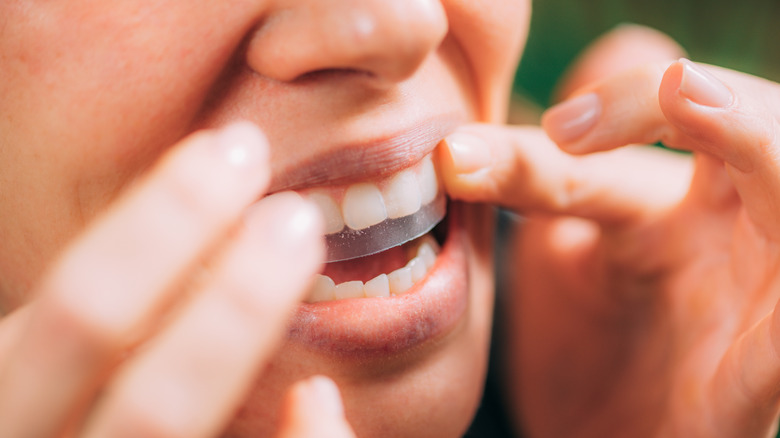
88	323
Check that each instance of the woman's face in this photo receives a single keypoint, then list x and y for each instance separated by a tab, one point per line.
348	91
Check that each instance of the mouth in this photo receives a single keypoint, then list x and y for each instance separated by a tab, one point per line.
411	291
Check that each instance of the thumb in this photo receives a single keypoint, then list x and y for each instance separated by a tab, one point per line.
522	169
313	409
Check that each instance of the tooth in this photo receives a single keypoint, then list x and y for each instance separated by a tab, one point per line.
379	286
402	195
417	267
363	206
400	280
427	254
429	185
330	212
322	289
349	289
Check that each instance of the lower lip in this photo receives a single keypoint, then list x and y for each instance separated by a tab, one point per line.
384	326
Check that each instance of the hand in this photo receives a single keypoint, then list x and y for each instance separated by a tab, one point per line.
156	320
646	281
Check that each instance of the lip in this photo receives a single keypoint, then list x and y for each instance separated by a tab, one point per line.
373	327
366	159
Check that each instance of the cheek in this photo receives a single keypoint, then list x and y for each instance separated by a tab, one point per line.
92	94
492	33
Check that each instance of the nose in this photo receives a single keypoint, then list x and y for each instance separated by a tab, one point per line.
385	39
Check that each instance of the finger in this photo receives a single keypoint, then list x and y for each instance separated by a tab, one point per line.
686	106
520	168
745	392
191	378
625	47
112	280
313	409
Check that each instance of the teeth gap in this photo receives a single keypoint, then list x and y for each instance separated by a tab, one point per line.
423	254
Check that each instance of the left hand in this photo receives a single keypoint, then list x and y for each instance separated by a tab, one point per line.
645	298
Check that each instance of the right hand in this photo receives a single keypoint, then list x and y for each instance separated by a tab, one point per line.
157	319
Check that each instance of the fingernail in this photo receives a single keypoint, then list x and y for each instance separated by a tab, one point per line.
326	394
701	87
572	118
242	145
469	153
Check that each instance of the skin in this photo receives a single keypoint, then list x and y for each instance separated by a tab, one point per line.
629	320
645	297
114	110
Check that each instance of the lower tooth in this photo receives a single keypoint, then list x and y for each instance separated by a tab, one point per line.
417	267
349	289
379	286
322	289
400	280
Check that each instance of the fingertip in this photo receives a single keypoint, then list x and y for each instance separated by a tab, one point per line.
568	122
314	408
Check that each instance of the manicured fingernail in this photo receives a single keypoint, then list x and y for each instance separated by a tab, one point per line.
326	394
242	145
572	118
469	153
701	87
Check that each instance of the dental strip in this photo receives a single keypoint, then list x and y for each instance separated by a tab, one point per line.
363	205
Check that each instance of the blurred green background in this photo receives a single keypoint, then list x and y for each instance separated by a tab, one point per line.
742	35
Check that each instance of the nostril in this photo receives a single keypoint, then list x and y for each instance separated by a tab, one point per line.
333	73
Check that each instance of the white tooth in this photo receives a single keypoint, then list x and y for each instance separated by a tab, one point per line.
379	286
330	212
417	266
402	195
427	254
429	185
400	280
349	289
322	289
363	206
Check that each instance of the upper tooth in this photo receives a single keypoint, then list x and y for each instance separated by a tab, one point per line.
330	212
429	185
402	195
363	206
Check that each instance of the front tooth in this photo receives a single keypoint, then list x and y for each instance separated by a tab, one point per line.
418	269
379	286
400	280
363	206
426	178
402	195
322	289
330	212
349	289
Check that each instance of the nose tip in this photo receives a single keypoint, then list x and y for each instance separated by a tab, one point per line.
387	40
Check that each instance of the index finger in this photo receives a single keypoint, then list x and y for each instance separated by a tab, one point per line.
114	280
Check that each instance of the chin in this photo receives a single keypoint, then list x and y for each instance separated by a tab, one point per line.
408	365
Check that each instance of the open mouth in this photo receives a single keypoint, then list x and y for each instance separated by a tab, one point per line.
378	238
388	301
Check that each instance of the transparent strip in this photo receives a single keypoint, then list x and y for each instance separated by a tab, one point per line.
349	244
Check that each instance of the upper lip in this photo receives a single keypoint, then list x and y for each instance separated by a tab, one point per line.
368	159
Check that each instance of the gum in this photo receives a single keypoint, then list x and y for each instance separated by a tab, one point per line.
350	244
